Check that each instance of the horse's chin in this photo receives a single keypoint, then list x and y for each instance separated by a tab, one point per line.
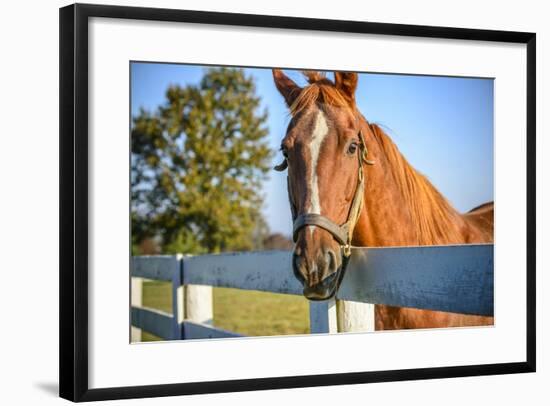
324	290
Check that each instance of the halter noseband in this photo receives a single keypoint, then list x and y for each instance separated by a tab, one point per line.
342	233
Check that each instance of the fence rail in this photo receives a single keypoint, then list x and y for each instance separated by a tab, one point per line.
455	279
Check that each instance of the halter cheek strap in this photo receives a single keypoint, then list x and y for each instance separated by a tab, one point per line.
342	233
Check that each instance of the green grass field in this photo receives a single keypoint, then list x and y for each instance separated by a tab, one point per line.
246	312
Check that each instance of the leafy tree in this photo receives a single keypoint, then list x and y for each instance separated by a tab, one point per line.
197	166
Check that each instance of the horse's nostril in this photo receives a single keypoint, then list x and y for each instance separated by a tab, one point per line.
297	263
331	259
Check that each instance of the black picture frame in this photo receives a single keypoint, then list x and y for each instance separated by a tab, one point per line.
73	277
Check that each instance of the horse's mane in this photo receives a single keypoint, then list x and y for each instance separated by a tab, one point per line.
322	91
435	220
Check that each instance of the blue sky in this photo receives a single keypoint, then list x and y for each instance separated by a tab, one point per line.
442	125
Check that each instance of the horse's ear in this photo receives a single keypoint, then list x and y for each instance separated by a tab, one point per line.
346	82
286	86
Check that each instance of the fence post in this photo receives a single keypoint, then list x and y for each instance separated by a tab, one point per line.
354	317
198	302
178	310
136	295
322	317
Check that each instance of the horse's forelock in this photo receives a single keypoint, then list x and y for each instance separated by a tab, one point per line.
321	91
313	76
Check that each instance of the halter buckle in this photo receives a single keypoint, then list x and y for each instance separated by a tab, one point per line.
346	250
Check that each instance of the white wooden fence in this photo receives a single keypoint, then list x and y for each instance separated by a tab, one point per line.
447	278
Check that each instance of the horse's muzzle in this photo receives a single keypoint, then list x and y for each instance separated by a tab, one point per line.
325	289
318	267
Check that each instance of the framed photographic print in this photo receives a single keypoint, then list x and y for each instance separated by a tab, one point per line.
255	202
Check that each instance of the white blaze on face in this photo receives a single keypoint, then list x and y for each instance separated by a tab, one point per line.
320	131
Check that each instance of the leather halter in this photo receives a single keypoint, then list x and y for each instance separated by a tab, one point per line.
342	233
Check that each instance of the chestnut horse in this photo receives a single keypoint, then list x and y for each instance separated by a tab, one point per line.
348	184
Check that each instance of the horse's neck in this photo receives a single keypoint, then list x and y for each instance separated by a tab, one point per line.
401	207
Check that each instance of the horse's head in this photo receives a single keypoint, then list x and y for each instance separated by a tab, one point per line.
323	150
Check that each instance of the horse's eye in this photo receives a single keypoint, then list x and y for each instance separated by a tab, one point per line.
352	148
285	152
